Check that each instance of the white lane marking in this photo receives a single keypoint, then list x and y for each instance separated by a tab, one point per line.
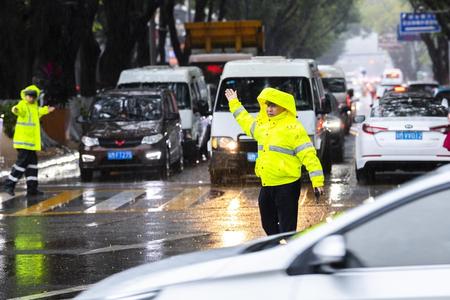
5	197
113	248
53	293
115	201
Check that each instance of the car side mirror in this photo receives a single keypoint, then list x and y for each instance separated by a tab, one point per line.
81	119
326	105
203	107
328	252
359	119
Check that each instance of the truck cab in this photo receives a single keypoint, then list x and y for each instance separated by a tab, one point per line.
233	154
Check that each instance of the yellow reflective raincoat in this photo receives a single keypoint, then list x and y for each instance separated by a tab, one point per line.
283	144
27	133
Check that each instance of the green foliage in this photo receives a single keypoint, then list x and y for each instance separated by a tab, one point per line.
382	16
9	119
297	28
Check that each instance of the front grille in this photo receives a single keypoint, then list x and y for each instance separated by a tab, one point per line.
248	146
117	143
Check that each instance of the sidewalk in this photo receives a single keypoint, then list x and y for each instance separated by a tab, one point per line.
48	159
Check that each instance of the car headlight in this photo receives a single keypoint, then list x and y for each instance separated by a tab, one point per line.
224	143
332	124
89	141
152	139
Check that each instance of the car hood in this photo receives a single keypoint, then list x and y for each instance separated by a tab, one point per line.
123	129
223	262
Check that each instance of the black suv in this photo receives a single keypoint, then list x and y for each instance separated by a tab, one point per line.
131	129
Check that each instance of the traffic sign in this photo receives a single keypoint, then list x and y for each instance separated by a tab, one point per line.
418	23
407	37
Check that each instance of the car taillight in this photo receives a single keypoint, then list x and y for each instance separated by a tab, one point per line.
372	129
442	129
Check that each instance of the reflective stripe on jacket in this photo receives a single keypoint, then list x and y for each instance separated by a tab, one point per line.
283	144
27	134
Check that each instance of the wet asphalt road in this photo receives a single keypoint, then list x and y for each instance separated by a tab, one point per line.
76	234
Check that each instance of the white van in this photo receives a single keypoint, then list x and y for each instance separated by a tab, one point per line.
333	79
193	98
233	154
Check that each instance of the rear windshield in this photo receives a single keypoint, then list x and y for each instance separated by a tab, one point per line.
411	107
126	108
180	90
248	89
334	85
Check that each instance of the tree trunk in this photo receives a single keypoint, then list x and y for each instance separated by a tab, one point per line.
200	6
438	51
119	44
162	33
222	10
181	57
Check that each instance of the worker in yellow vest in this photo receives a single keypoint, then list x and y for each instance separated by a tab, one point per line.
283	148
27	140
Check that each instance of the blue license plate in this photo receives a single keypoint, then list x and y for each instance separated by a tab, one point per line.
251	156
408	135
120	155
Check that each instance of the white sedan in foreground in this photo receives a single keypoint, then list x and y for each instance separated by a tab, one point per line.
404	132
397	247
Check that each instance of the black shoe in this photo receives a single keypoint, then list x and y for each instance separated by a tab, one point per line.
35	193
9	190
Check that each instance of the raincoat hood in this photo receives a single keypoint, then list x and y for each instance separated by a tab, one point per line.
30	87
278	97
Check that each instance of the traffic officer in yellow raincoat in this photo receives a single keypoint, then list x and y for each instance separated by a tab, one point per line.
283	148
27	140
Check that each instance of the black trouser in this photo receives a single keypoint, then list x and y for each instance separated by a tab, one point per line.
278	206
26	163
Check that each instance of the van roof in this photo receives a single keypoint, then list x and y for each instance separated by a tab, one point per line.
268	66
329	71
159	74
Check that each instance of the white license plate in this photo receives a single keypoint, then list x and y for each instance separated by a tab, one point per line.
408	135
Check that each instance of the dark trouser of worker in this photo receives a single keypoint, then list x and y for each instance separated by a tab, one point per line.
26	164
278	206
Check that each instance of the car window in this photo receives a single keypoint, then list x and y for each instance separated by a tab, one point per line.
248	89
409	107
316	93
334	85
126	108
416	233
180	89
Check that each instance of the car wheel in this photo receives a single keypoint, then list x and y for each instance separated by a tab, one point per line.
180	162
215	177
338	153
326	162
365	175
165	168
86	175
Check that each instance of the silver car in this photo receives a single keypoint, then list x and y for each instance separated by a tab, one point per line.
396	246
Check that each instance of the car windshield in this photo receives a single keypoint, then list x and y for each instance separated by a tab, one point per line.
334	85
409	107
180	89
126	108
248	89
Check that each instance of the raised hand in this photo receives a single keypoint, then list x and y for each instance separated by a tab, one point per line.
231	94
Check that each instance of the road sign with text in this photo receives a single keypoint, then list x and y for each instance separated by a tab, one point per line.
418	23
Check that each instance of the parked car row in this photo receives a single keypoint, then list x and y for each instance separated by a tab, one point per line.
116	125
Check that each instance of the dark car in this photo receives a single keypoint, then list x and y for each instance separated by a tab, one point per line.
132	129
335	128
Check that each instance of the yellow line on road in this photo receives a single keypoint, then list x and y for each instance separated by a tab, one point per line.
49	204
184	199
